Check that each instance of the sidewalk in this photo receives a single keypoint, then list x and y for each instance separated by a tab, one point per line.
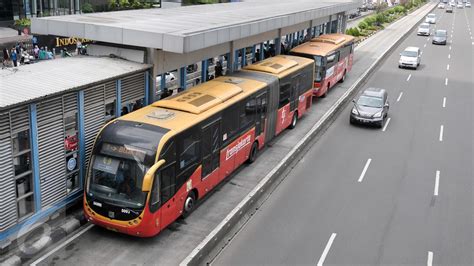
205	228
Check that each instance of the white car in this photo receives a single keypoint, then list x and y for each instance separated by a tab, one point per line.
452	4
424	29
410	57
460	5
441	6
431	18
468	4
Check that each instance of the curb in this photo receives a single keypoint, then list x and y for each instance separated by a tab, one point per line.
45	241
240	215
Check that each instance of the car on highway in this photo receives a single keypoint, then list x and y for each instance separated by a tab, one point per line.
440	37
441	6
452	4
449	9
410	57
371	108
460	5
468	4
424	29
431	18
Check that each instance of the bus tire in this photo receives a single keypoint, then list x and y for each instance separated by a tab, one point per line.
253	153
294	120
189	204
343	77
326	92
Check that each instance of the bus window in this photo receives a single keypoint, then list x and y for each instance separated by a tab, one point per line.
189	149
155	193
248	110
210	148
230	123
318	62
285	91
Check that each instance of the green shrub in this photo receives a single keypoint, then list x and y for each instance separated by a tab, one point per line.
23	22
380	19
363	25
87	8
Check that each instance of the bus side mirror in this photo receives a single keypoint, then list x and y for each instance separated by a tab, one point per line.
150	174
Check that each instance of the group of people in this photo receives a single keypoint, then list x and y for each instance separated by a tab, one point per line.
18	55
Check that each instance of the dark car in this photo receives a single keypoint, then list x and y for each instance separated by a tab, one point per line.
440	37
371	108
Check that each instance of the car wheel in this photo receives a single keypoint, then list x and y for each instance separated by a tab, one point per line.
189	204
351	120
253	153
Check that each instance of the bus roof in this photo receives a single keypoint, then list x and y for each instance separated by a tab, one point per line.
280	65
192	106
324	44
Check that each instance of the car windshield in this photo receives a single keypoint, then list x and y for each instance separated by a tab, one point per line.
431	16
440	33
118	180
424	26
370	101
409	53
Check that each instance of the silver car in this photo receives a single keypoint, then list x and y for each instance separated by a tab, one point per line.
440	37
371	108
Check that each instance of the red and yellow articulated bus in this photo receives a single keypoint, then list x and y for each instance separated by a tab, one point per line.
150	167
333	55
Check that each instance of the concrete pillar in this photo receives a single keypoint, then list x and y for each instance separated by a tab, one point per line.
278	46
204	71
34	8
152	59
146	100
253	53
162	83
182	78
310	30
77	8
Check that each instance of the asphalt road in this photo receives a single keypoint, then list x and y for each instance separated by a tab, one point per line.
414	202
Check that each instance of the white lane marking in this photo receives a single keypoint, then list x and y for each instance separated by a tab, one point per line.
365	170
428	39
436	188
386	124
326	249
409	77
449	56
444	102
399	96
429	262
441	131
69	240
447	67
424	45
450	47
446	82
421	53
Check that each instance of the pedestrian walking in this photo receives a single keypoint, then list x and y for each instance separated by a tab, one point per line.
14	56
6	57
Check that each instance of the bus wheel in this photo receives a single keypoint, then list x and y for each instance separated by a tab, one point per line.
253	153
189	204
343	77
326	92
294	120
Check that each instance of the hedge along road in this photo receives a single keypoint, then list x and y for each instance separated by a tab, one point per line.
174	244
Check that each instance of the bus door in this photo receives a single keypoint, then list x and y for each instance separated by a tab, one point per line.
170	206
211	134
294	94
261	102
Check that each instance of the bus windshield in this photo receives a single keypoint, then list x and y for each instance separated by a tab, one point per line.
118	180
